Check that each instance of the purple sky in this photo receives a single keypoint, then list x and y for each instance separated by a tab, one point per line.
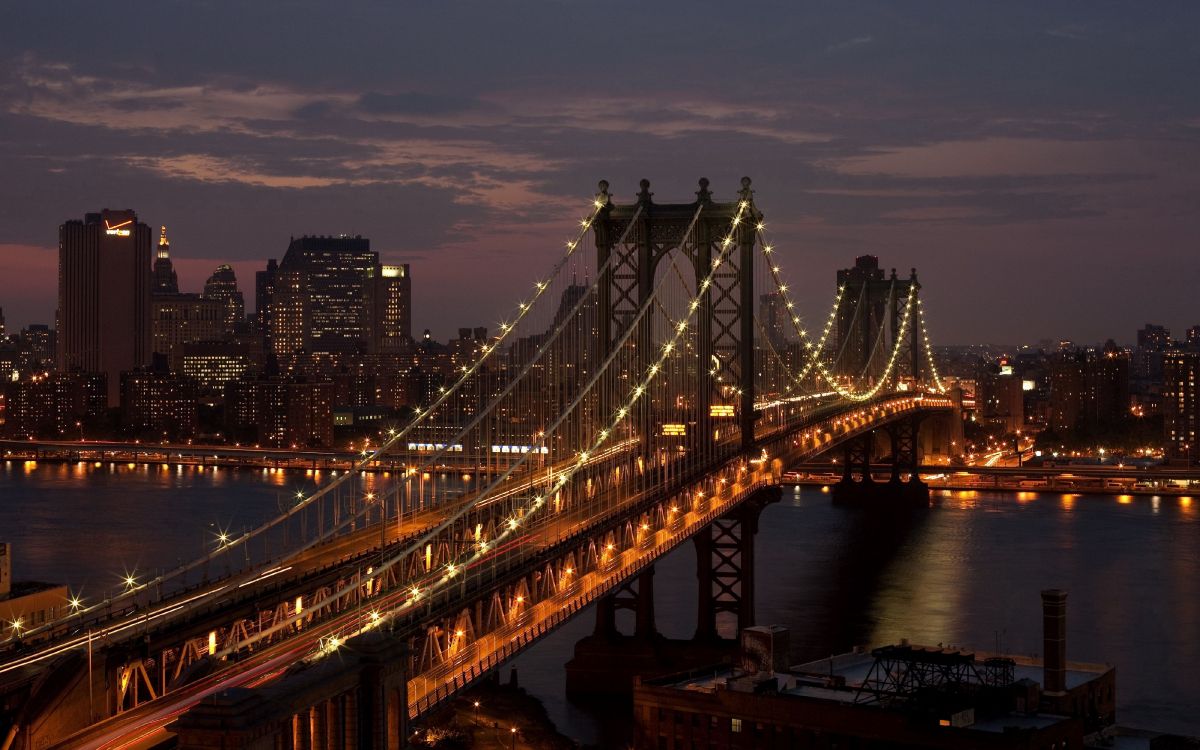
1039	163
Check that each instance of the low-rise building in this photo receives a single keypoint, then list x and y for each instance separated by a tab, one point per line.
900	696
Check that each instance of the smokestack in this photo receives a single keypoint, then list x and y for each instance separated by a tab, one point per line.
1054	641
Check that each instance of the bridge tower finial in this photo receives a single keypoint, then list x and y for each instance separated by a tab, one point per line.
703	195
644	195
746	193
602	197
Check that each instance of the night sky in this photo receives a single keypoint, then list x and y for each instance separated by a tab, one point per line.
1039	165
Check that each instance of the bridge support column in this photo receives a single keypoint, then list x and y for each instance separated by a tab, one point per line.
904	486
638	598
857	463
906	459
725	567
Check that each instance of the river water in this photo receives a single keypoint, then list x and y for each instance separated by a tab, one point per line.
968	572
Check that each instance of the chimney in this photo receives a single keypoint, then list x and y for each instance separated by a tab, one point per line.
1054	641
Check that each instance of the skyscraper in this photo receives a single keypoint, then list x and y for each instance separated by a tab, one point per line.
336	271
290	313
222	286
389	301
166	281
104	280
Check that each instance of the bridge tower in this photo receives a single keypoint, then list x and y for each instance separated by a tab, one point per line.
725	320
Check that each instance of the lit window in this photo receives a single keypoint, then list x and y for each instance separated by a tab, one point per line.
735	725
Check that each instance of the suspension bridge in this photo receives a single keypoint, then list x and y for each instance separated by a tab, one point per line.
653	382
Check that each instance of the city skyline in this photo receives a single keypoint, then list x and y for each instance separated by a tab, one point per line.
1053	164
733	373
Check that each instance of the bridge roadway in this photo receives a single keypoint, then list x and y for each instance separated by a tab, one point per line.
144	725
349	550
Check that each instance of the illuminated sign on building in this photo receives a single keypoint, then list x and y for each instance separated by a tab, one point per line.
392	272
118	230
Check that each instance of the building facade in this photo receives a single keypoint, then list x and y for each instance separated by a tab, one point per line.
104	280
389	309
1180	407
158	405
336	273
180	319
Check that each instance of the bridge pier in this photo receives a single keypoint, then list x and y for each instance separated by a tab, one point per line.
725	567
606	662
903	487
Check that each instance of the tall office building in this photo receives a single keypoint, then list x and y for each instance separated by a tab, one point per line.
104	280
222	286
336	272
1180	407
166	281
389	309
290	314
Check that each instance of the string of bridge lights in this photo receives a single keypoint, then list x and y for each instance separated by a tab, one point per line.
929	358
224	541
521	515
815	358
814	349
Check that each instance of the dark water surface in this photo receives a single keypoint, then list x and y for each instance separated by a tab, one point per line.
968	572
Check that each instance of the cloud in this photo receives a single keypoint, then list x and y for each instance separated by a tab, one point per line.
857	41
414	103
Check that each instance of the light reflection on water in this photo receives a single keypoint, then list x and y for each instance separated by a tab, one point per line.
967	572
